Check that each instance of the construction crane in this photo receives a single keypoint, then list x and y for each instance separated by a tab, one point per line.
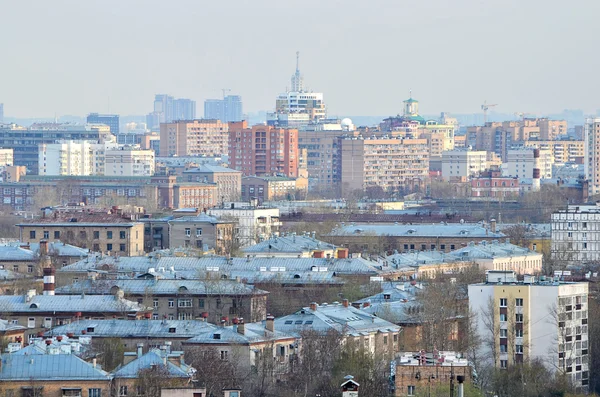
225	91
485	108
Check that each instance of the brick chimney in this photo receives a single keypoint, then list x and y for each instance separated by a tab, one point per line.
43	247
241	328
342	253
270	323
49	273
493	225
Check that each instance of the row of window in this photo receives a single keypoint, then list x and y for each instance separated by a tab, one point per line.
82	234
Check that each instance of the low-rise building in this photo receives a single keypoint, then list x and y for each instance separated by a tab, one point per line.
378	336
254	223
53	375
42	312
229	181
492	185
496	255
380	238
294	246
29	258
210	299
533	319
266	188
108	232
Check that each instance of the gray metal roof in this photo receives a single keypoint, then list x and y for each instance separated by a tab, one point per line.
66	304
140	264
208	168
65	367
135	328
6	326
147	361
487	250
291	244
465	230
161	287
253	333
15	253
335	316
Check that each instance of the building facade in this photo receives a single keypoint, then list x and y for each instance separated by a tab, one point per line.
111	120
463	164
194	138
128	161
563	150
492	185
531	319
254	223
576	235
6	157
227	110
520	163
266	188
592	154
229	181
263	150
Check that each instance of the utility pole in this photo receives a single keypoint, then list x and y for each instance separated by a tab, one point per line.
451	380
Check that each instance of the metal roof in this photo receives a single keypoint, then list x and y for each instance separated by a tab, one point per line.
153	358
253	333
417	230
162	287
15	253
5	326
65	367
66	304
208	168
289	243
135	328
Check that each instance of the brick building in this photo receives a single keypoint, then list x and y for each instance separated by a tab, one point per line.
491	184
229	181
263	150
193	138
267	188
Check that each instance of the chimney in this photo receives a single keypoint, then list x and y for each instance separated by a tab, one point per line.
313	306
318	254
94	362
140	349
49	273
535	184
342	253
168	345
493	225
241	328
345	302
43	247
30	295
270	323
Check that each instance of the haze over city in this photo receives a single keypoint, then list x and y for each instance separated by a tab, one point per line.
69	57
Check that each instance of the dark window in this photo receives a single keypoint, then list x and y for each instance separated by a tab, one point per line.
122	247
96	234
46	234
199	244
96	247
32	234
201	303
109	247
122	235
83	235
56	234
109	234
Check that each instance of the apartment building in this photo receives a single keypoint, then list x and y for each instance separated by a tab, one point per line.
533	319
266	188
563	150
576	234
229	181
263	150
26	141
254	223
520	163
128	161
463	164
592	154
108	232
6	157
390	163
194	138
181	299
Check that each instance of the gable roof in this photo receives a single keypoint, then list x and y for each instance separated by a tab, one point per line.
66	304
66	367
253	333
291	244
153	358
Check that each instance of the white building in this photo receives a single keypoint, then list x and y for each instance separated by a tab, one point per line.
576	234
255	223
6	157
128	161
465	163
520	163
592	154
83	158
531	319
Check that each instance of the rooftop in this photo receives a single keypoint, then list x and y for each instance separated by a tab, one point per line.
152	359
253	333
65	367
289	243
208	168
68	304
466	230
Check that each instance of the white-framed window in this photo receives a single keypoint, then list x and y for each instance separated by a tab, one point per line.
188	232
519	302
504	364
171	302
503	302
411	390
31	322
94	392
198	231
184	303
122	391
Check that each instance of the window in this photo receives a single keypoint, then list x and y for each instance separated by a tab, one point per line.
198	231
29	268
109	235
122	235
82	235
46	234
96	247
519	317
200	303
503	302
109	247
411	390
503	349
155	302
171	302
32	234
71	392
184	303
502	317
223	354
519	302
96	234
188	232
503	333
519	333
56	235
199	244
122	390
31	322
504	364
519	349
122	247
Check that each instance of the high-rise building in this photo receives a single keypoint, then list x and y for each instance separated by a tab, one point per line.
521	321
298	106
194	138
459	164
521	162
263	150
592	154
575	235
394	164
168	109
111	120
228	109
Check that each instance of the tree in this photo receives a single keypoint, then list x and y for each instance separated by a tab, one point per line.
110	352
150	381
213	370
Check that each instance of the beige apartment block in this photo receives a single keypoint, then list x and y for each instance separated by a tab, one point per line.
194	138
563	151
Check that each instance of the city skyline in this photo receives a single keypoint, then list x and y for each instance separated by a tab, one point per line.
453	56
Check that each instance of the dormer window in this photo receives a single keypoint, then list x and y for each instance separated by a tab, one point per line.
34	306
217	336
90	329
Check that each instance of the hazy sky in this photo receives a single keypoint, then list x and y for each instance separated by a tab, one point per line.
70	57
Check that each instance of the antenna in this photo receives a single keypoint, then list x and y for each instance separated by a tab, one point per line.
297	61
